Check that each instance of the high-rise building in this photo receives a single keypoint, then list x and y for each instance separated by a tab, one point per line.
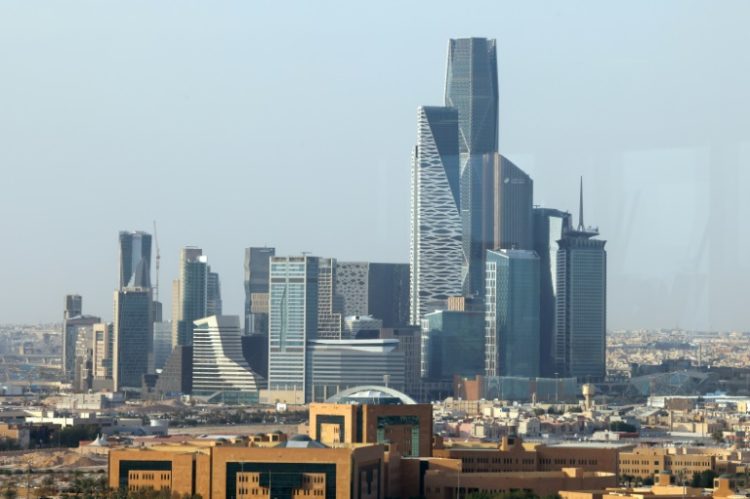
514	199
409	340
377	289
512	313
330	318
453	344
293	319
74	324
213	295
133	337
549	227
191	290
471	88
218	364
135	260
257	264
162	343
436	256
102	355
581	303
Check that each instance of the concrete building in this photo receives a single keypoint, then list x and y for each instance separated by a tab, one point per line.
74	322
330	312
220	372
373	414
409	342
102	353
296	468
512	313
645	462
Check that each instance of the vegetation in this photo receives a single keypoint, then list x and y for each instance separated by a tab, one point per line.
704	479
622	426
72	435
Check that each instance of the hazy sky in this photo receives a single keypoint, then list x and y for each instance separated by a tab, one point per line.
291	124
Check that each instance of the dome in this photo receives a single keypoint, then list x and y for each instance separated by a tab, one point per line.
371	394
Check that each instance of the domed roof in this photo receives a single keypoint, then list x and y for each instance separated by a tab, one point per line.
371	394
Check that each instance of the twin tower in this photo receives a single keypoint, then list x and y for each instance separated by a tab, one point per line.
475	232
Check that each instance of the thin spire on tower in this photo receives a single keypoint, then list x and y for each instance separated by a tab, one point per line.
581	227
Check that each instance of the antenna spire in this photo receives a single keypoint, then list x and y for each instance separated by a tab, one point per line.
580	207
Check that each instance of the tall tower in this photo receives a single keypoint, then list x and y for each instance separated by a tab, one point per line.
293	319
514	199
75	326
213	294
549	227
133	337
191	292
471	88
581	303
135	260
512	313
435	255
257	263
330	305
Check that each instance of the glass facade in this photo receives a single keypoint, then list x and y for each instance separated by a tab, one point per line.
293	319
257	268
453	344
133	337
193	293
512	313
135	260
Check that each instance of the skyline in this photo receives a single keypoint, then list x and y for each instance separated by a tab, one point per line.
657	235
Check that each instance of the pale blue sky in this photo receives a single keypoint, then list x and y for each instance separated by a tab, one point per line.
291	124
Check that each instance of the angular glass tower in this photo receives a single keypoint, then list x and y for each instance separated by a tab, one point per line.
549	226
471	88
257	262
135	260
191	295
133	337
435	255
581	304
512	313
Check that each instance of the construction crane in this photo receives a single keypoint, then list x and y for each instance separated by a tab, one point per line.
158	258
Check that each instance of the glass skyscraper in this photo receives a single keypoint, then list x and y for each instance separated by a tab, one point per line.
190	300
452	344
133	337
512	313
471	88
581	304
293	319
436	257
257	263
135	260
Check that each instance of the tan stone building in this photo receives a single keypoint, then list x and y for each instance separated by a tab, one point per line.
644	462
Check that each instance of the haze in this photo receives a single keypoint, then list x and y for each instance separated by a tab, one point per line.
291	124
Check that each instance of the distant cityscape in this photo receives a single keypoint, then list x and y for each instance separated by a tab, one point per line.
481	368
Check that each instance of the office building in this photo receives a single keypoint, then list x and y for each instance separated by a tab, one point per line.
102	351
336	365
255	352
133	337
377	289
220	372
74	325
213	295
293	319
581	303
549	227
257	261
513	197
374	414
471	88
176	378
83	371
330	318
409	342
362	327
512	313
135	260
190	294
162	343
436	256
296	468
453	344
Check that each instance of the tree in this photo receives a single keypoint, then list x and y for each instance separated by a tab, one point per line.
707	479
10	492
718	436
622	426
648	481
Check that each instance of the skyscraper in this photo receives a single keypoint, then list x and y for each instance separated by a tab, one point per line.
514	200
581	303
74	325
133	337
257	263
135	260
191	290
377	289
213	295
512	313
330	318
549	227
293	319
218	364
436	257
471	88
